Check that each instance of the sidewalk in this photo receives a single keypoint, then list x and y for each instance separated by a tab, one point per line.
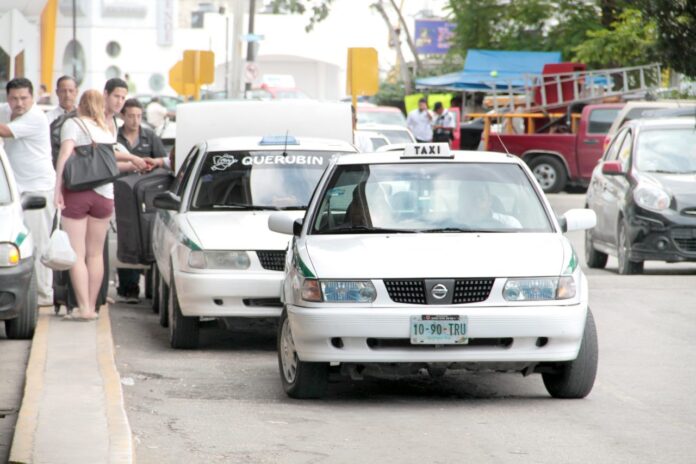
72	410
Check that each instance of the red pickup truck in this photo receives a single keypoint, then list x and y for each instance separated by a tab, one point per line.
562	160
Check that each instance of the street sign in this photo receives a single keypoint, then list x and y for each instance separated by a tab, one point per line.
363	72
253	37
176	80
251	72
199	67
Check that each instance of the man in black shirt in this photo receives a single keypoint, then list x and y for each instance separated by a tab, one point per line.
143	142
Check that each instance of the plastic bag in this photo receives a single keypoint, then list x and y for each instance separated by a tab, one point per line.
58	254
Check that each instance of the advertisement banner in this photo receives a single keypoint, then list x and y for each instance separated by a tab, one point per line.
433	36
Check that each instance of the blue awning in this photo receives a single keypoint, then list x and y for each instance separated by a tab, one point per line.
486	70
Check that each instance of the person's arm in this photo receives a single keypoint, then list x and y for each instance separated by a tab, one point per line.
125	157
5	131
66	149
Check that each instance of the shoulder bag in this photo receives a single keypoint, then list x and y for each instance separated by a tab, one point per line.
91	165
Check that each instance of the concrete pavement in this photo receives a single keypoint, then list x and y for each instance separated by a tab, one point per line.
72	410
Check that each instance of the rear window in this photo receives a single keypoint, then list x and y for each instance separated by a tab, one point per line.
601	120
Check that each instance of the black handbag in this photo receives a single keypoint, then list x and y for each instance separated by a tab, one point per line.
90	166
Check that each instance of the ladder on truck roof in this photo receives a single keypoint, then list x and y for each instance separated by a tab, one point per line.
544	92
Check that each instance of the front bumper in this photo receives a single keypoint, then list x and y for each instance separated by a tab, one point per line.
371	335
662	237
232	294
14	285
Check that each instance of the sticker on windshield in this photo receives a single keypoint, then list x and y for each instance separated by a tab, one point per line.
223	162
308	160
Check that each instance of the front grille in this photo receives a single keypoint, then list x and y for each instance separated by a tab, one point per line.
472	290
405	343
406	291
412	291
273	260
685	239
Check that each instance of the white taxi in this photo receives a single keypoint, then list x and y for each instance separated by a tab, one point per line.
429	259
215	255
18	300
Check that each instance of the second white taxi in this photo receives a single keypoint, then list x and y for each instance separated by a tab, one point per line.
430	259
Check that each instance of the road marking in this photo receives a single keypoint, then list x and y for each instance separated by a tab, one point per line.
120	436
23	441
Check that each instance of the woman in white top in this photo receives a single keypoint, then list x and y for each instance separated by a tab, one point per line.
86	213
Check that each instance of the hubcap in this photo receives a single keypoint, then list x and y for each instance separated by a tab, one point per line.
288	355
545	175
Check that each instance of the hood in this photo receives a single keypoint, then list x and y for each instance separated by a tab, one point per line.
436	255
681	186
237	230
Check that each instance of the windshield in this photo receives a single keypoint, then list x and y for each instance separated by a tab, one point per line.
258	179
397	136
667	150
381	117
5	196
432	198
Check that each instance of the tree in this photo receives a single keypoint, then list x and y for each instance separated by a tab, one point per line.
320	9
629	41
675	22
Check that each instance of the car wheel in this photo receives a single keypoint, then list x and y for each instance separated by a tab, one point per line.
574	379
300	379
22	327
549	172
163	303
594	259
626	266
183	331
154	277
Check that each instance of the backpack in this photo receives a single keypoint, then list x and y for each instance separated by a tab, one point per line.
56	126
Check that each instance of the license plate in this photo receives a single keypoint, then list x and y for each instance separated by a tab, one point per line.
439	330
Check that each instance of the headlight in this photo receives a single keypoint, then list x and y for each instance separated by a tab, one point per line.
650	197
540	289
338	291
9	255
219	260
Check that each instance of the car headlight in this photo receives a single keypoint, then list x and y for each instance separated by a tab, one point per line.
338	291
219	260
651	197
540	289
9	255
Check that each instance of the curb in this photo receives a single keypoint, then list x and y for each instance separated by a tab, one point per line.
121	449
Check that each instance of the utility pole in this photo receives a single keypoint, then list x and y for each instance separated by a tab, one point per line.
74	41
235	76
227	56
250	43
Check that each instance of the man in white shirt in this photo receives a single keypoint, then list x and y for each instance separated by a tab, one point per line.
419	121
66	89
444	124
27	143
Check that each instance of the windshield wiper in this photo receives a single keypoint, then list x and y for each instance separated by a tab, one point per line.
663	171
459	229
367	230
245	207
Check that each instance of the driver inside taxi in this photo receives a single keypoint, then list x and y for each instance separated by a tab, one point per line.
477	209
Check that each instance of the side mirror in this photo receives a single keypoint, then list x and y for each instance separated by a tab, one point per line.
578	219
33	202
167	200
612	168
284	224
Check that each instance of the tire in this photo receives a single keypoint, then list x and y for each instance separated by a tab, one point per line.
549	173
623	247
301	380
148	283
594	259
163	297
154	276
23	326
183	331
575	379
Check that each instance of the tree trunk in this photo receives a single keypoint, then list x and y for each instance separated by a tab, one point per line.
409	39
405	75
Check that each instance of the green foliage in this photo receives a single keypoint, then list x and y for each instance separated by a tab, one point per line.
676	32
629	41
319	8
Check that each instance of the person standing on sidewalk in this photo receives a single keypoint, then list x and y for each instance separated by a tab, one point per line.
66	89
86	213
419	122
143	142
25	130
444	124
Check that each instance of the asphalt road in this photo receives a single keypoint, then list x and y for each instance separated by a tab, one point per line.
224	403
14	355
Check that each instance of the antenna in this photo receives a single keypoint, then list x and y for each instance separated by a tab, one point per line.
503	143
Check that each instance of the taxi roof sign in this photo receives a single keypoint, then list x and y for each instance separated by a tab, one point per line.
278	140
427	150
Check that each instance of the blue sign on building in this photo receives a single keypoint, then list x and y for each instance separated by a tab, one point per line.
433	36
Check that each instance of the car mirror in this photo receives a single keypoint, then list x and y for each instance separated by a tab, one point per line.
33	202
612	168
284	224
578	219
167	200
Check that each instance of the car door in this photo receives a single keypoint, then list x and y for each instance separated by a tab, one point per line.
593	129
597	195
616	187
